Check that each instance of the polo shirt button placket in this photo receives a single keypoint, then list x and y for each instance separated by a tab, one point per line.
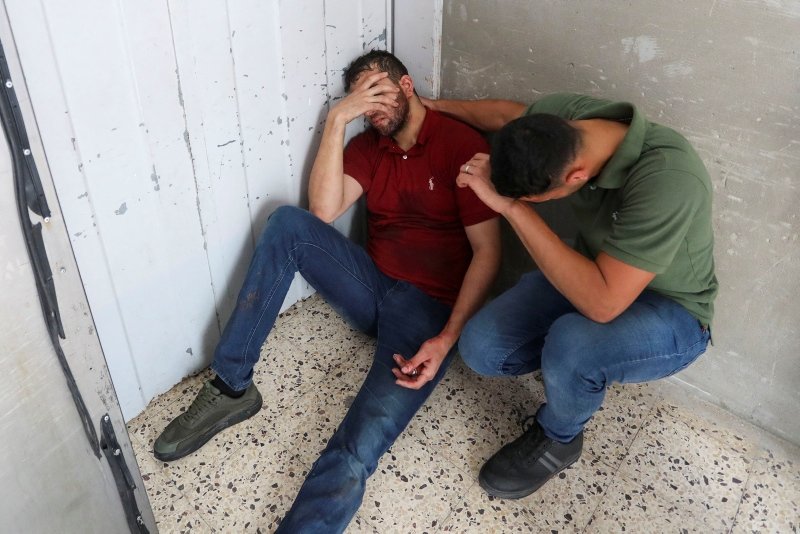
405	156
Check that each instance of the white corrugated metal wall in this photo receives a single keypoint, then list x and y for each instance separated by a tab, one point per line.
172	128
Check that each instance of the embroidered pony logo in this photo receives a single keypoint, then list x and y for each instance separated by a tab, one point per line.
430	183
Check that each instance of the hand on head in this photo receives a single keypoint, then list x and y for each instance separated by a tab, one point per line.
373	92
477	175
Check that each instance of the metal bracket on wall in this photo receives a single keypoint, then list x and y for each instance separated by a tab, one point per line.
122	475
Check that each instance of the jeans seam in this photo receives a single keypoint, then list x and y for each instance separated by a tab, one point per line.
390	290
664	356
501	362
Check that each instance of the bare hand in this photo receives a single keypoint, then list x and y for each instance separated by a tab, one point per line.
477	175
428	103
375	92
422	368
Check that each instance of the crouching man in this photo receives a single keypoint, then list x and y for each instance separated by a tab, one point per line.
633	301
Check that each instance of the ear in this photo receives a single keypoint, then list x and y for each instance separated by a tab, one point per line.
576	176
407	85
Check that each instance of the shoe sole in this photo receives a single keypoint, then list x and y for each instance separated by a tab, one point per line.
494	492
211	432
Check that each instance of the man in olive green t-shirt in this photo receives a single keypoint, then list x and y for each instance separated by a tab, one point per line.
632	301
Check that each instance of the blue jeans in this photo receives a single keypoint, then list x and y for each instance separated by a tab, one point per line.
401	317
532	326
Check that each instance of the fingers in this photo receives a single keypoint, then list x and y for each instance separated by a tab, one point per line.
380	97
372	79
407	367
376	84
427	102
477	165
463	180
415	378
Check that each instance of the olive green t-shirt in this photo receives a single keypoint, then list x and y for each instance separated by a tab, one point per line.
649	207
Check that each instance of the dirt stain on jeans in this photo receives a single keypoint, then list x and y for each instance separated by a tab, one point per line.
249	300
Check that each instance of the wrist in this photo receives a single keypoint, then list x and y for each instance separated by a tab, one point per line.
337	118
448	338
512	207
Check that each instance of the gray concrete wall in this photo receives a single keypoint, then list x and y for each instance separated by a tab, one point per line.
724	73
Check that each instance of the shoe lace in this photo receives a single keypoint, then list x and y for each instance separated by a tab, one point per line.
205	401
531	441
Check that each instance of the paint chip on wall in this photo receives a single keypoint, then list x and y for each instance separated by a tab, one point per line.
644	46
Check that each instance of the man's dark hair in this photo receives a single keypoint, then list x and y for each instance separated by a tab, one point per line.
376	59
530	153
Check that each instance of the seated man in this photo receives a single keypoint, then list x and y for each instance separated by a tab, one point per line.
632	302
432	254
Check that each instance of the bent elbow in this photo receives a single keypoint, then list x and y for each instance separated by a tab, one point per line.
325	215
601	318
604	314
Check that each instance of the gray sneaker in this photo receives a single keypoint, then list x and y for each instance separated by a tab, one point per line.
210	413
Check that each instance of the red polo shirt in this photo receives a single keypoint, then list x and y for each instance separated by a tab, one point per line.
416	212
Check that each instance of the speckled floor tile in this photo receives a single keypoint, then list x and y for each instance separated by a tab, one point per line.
687	469
469	417
652	462
250	490
631	507
158	478
611	430
313	324
566	502
476	512
771	501
289	368
179	516
714	423
359	525
311	420
412	490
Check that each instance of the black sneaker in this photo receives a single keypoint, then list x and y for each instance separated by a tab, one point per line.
524	465
210	413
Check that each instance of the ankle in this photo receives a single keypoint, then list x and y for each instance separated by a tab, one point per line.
225	389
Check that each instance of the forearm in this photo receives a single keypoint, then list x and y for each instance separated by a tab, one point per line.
485	115
477	281
326	184
576	277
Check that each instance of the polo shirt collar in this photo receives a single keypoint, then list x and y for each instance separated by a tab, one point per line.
432	118
616	169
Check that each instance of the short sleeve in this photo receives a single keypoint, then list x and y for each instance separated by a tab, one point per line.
654	218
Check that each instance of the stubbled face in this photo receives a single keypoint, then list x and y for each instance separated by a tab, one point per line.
387	123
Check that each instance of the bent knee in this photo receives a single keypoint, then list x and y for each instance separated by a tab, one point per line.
476	346
287	221
571	345
288	216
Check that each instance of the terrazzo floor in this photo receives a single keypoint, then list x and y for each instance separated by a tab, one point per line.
654	459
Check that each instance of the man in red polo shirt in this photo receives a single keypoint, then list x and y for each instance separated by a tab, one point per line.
433	251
